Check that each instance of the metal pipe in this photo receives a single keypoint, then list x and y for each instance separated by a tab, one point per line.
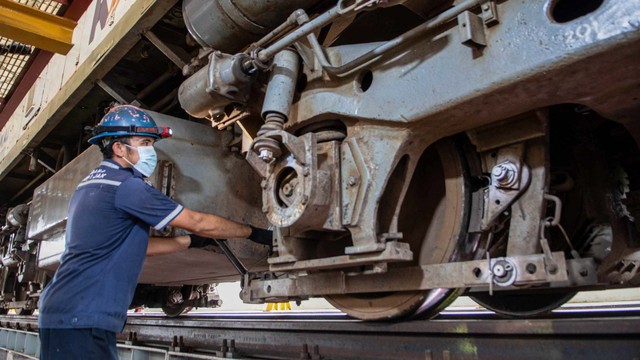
170	106
165	100
318	50
156	83
285	26
409	35
304	30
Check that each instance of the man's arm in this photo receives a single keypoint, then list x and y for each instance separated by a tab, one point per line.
160	246
209	225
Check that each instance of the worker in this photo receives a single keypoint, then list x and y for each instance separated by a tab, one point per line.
107	238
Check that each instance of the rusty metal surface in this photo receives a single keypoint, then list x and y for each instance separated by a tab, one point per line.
478	273
444	338
592	335
349	164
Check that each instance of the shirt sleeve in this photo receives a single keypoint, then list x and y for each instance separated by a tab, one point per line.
147	203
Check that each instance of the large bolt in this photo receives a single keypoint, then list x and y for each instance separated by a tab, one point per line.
499	270
266	155
505	174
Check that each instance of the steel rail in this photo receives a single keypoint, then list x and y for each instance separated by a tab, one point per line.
586	335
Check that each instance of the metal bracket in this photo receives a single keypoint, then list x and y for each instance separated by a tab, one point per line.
471	30
509	178
582	272
355	180
490	13
258	165
166	50
527	270
393	252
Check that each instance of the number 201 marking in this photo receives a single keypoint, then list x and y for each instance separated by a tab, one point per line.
584	32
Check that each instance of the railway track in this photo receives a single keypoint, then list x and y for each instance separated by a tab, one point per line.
579	334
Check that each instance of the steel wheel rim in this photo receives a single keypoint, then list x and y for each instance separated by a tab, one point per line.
448	222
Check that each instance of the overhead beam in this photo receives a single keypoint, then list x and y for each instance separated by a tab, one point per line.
123	37
36	65
35	27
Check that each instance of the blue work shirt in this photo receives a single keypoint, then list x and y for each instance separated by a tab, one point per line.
106	242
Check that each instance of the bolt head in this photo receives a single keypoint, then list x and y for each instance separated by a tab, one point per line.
505	173
497	171
287	189
584	272
266	155
499	270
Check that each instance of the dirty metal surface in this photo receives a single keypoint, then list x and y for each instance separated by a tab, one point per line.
586	335
443	338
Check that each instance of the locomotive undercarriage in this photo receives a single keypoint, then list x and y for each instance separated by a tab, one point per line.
391	186
413	151
488	220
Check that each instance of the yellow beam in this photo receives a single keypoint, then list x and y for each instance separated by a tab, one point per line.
35	27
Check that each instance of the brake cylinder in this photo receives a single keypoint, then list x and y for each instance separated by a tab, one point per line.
229	26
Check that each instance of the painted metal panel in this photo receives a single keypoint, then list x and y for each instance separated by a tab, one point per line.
201	165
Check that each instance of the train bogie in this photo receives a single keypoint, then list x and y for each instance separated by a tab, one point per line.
404	152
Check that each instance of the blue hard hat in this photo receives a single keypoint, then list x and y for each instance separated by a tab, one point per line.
128	120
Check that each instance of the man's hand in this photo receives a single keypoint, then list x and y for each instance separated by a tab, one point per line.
261	236
198	241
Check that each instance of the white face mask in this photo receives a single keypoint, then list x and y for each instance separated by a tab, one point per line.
147	159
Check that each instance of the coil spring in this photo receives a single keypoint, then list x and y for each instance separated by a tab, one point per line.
269	148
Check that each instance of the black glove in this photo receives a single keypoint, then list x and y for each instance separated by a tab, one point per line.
198	241
261	236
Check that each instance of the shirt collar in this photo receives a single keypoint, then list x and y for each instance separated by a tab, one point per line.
114	165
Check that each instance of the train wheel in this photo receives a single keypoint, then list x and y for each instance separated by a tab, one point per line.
433	221
522	305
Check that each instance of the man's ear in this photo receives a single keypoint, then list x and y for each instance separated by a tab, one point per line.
117	149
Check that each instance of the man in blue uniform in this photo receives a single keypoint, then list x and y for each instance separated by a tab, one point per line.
107	239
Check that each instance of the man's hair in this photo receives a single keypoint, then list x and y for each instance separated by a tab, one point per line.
106	145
